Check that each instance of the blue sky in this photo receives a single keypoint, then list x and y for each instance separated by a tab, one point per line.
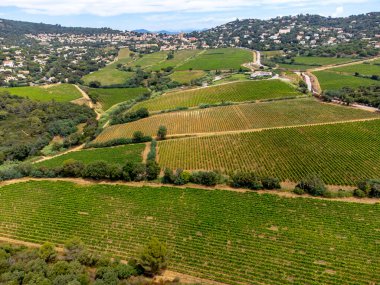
171	14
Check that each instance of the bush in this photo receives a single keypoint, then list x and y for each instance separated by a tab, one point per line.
298	191
181	177
271	183
162	132
371	187
246	180
152	170
153	258
72	168
134	171
97	170
47	252
359	193
168	177
207	178
313	185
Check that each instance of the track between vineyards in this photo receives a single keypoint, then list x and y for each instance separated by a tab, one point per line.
282	193
167	275
342	65
207	134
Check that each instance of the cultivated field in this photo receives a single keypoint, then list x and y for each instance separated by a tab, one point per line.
109	97
150	60
341	153
233	92
108	75
238	117
308	62
364	69
333	81
57	92
235	238
185	77
180	57
219	59
113	155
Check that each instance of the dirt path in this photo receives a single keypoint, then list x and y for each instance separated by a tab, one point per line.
207	134
342	65
145	152
285	192
77	148
89	102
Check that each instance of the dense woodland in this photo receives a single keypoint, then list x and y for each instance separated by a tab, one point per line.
27	126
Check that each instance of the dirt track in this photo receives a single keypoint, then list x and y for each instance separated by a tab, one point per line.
286	186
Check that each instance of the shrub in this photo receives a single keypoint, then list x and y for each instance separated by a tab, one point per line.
271	183
298	191
96	170
47	252
134	171
359	193
153	258
168	177
246	180
162	132
371	187
137	137
152	170
181	177
72	168
313	185
207	178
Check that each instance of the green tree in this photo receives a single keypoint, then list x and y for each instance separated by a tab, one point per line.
162	132
154	257
47	252
152	170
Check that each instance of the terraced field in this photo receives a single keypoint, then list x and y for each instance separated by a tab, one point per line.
238	117
333	81
342	154
235	238
187	76
109	97
233	92
219	59
57	92
113	155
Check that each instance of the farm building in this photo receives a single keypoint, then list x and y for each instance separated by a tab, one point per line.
258	74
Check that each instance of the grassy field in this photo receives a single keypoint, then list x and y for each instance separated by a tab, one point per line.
58	92
108	75
342	154
233	92
238	117
109	97
123	53
114	155
333	81
219	59
185	77
180	57
364	69
308	62
234	238
150	60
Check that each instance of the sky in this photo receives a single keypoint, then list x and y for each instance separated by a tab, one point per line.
171	15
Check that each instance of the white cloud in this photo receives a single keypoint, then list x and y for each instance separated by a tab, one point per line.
338	11
118	7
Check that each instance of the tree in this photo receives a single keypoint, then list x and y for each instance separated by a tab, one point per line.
73	248
152	170
72	168
153	257
138	136
96	170
94	84
313	185
47	252
161	133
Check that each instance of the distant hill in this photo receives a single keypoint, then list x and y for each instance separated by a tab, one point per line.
291	31
11	28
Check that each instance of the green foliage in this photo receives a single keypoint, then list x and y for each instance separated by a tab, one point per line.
154	257
238	224
47	252
313	185
162	132
152	170
207	178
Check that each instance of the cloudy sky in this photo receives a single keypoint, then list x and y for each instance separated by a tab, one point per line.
171	14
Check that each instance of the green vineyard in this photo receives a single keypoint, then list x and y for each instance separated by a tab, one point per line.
235	238
113	155
238	117
232	92
342	153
